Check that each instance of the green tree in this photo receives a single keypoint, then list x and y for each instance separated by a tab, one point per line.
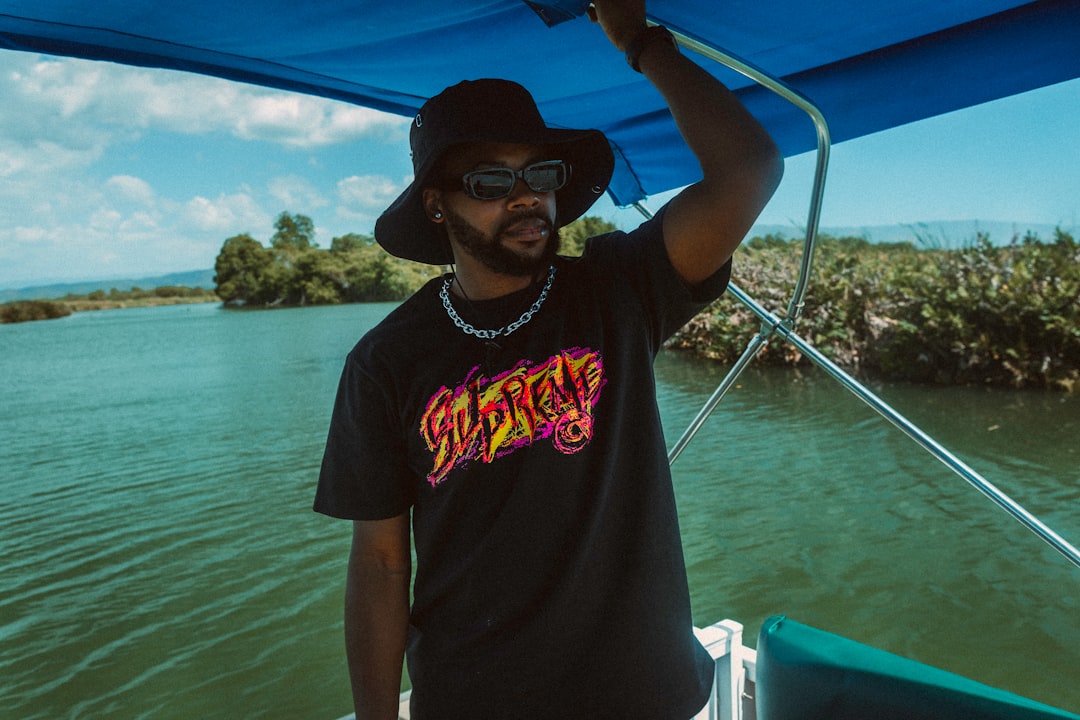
313	280
242	270
350	243
293	232
574	235
295	271
375	276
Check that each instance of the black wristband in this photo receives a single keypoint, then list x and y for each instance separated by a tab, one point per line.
645	38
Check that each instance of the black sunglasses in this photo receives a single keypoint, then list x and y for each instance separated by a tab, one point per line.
498	182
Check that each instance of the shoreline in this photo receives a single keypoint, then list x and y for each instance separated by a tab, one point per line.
95	305
20	311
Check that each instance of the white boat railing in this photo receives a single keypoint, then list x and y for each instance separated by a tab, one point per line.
735	665
785	326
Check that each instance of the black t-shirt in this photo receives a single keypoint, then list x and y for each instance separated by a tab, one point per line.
550	580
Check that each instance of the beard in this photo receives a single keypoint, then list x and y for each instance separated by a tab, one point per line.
493	254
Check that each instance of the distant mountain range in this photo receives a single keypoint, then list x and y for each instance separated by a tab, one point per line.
952	234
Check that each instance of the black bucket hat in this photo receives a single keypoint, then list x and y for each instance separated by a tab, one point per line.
487	111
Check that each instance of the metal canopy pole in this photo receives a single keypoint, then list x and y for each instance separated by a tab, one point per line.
798	297
771	324
824	145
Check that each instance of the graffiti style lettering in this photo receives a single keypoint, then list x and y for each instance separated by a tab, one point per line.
482	419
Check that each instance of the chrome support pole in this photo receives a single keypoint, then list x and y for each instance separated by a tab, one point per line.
643	209
752	350
802	282
756	345
824	143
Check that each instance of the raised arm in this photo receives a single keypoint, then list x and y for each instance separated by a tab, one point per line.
740	164
377	614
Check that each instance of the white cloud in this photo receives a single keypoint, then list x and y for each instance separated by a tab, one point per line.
44	158
294	191
347	123
105	219
230	214
116	99
132	189
144	224
305	121
70	111
107	169
364	197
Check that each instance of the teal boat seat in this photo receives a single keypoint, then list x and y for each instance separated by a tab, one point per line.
809	674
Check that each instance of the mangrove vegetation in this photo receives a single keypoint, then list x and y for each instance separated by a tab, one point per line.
1005	316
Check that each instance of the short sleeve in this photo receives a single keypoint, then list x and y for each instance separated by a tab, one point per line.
639	262
364	475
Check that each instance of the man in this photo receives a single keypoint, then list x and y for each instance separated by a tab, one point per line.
510	406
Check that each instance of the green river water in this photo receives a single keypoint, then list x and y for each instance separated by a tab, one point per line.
160	558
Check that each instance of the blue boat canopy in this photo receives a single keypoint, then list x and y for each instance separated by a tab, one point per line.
869	65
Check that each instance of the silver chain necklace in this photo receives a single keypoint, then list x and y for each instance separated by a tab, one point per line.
506	329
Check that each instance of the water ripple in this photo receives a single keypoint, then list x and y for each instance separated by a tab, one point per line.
161	559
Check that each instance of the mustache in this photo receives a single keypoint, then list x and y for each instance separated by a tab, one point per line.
519	215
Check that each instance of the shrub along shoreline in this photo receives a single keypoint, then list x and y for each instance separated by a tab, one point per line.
1005	316
30	310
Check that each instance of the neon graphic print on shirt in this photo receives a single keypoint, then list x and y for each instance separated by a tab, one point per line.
485	418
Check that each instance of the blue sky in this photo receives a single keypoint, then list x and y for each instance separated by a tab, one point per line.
109	171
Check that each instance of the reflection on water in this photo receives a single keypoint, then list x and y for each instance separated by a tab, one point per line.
161	559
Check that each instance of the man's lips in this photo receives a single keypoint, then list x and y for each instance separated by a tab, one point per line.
528	229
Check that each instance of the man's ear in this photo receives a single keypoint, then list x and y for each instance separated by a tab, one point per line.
433	204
